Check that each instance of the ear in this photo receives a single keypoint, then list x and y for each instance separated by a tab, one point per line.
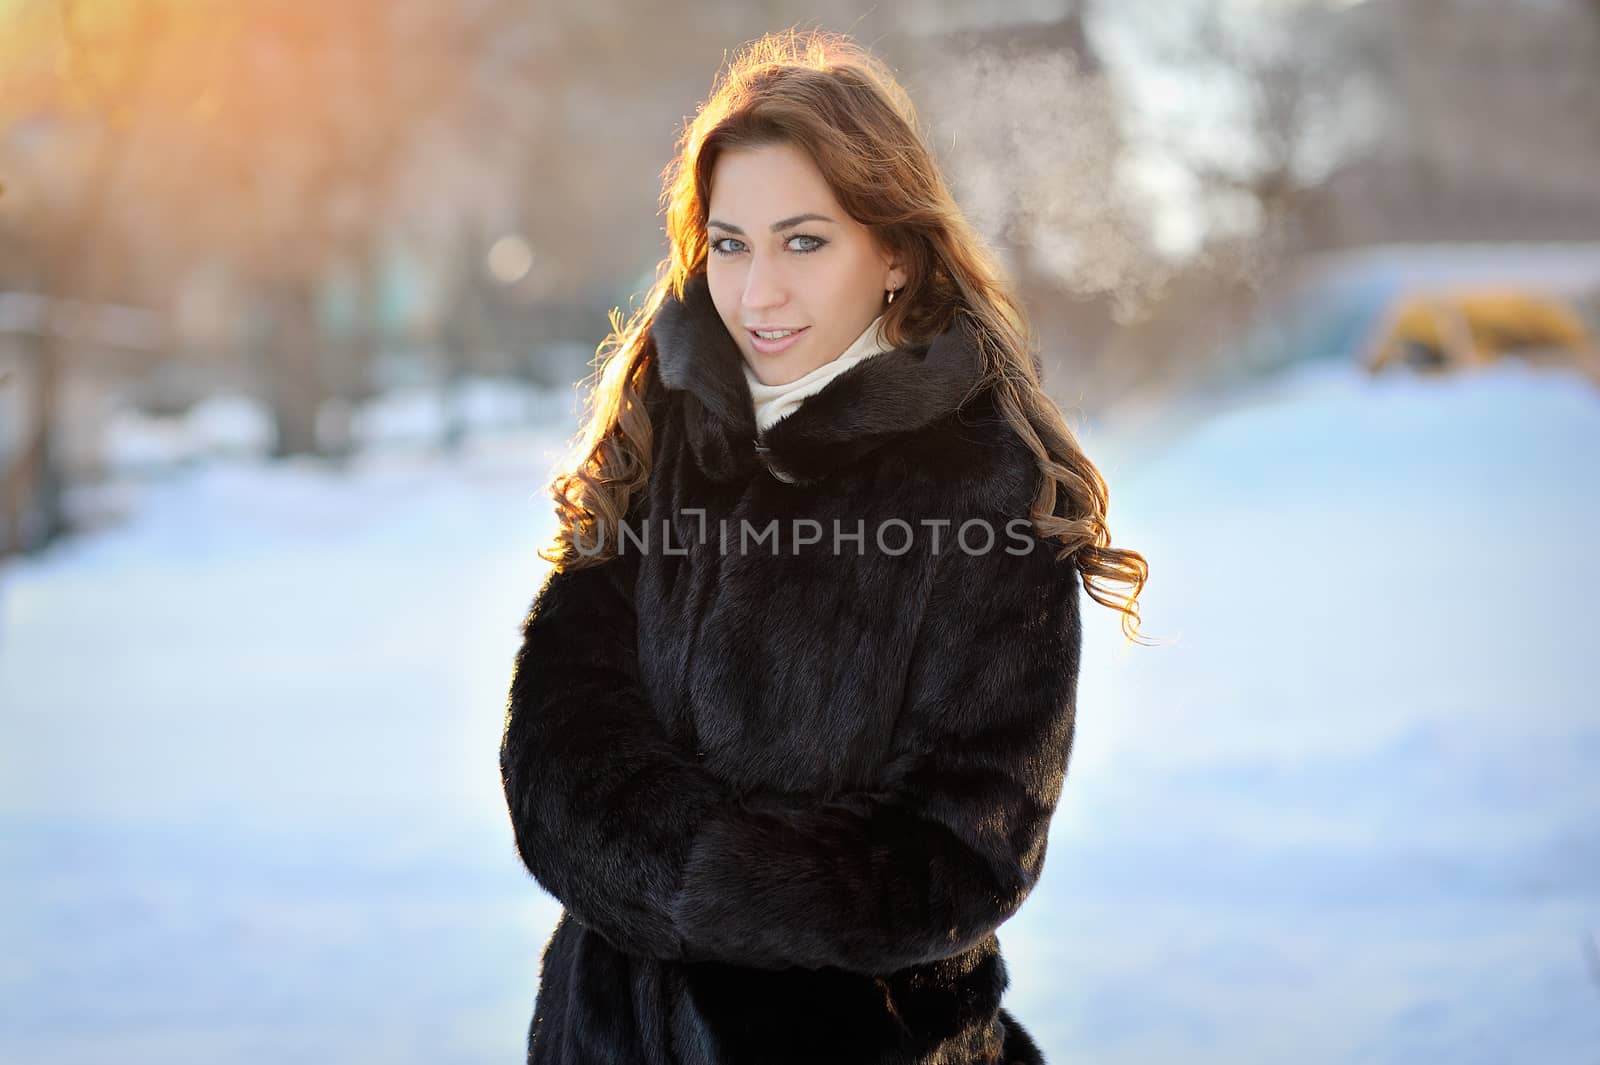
895	276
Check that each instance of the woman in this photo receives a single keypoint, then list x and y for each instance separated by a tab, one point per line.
794	706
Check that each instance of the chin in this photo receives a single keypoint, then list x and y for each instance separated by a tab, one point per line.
787	375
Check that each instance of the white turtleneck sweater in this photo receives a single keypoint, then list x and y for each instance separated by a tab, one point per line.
774	401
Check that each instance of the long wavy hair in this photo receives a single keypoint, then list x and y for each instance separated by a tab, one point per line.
823	93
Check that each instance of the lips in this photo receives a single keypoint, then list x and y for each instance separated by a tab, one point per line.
768	347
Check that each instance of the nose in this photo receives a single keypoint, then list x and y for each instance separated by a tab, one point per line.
764	285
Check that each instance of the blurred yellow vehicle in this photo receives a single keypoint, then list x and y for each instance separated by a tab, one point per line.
1456	328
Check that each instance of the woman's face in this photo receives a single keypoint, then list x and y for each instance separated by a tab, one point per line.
785	255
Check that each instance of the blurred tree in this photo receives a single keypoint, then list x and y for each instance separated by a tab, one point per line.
57	228
1292	97
273	138
1492	130
1242	113
275	144
1027	127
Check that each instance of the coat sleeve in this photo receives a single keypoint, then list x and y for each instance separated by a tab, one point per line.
603	803
954	839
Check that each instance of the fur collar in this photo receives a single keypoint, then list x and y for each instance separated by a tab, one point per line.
891	393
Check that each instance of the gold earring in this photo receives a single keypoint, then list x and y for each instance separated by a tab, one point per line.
892	291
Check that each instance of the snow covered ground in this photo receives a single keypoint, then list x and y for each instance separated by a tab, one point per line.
250	811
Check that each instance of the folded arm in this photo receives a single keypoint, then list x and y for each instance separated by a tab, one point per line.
954	840
603	804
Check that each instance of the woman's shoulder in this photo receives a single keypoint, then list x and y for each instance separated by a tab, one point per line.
973	461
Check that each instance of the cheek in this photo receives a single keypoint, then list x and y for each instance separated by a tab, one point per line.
855	274
824	281
841	293
725	297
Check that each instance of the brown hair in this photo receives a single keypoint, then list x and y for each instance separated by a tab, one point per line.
821	92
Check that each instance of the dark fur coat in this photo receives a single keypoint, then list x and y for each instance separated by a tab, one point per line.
786	793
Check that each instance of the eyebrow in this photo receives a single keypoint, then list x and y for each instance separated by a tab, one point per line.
784	224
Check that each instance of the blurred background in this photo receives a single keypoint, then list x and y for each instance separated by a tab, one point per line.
295	301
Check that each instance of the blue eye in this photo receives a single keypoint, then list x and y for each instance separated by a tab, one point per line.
817	243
